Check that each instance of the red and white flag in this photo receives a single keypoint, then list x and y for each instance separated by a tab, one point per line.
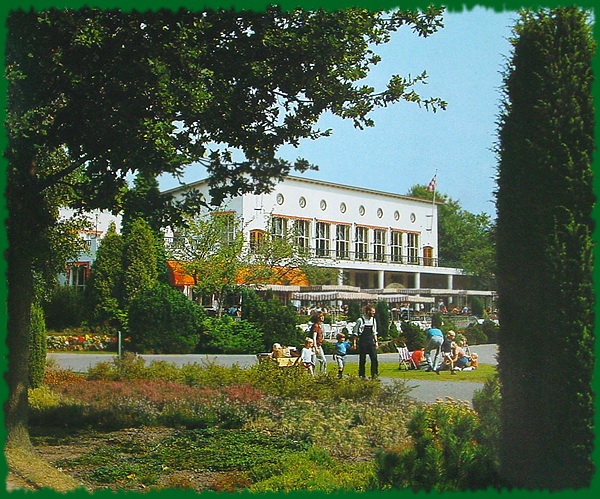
431	185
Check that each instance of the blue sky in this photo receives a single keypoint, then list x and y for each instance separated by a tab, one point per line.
464	61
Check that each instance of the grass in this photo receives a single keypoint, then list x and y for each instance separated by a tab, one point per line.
390	370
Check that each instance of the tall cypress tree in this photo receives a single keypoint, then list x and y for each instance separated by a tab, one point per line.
544	253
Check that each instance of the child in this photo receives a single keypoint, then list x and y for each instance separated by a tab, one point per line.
307	356
341	349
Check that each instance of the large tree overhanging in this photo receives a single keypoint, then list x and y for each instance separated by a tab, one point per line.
121	92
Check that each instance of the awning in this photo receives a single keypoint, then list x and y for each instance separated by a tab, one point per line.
177	275
396	298
333	295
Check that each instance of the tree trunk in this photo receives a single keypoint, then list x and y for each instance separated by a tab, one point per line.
20	296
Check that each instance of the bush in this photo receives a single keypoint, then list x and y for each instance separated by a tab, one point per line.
490	329
163	320
228	336
37	346
475	335
412	335
447	452
65	308
276	321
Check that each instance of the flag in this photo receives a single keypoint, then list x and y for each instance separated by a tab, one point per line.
431	185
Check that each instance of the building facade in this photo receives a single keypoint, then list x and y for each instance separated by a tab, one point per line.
375	240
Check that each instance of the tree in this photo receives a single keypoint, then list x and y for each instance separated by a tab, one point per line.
545	263
208	249
102	290
466	240
139	261
144	200
118	92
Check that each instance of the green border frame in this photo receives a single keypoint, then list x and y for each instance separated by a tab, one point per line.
452	5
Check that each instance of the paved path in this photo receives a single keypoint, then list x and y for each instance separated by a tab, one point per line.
422	390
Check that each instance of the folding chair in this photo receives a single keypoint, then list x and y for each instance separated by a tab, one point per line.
405	359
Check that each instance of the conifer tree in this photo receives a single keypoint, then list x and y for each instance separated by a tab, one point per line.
544	253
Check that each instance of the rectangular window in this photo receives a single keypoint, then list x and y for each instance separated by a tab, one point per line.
322	240
257	238
78	274
412	248
302	233
342	242
278	227
361	244
396	247
379	245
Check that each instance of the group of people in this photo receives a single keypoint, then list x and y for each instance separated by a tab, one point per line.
449	352
364	339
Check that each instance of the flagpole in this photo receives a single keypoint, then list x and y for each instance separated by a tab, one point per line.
434	182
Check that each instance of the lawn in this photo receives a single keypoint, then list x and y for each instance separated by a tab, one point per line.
390	370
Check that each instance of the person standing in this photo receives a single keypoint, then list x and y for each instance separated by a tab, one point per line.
317	335
434	338
365	330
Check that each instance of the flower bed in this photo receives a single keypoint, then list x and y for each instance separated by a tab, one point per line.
81	342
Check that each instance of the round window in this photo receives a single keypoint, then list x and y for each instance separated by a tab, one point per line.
361	210
396	215
302	202
343	207
323	204
280	198
379	213
413	217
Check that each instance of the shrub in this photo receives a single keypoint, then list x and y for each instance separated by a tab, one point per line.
276	321
228	336
474	334
490	330
163	320
446	452
37	346
412	335
65	308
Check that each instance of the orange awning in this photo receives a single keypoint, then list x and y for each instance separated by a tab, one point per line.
177	275
296	277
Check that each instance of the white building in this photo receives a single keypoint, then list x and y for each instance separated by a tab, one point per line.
77	272
376	240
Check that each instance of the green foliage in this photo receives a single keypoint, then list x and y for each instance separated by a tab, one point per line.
412	335
139	260
64	308
37	346
382	316
487	404
163	320
545	200
276	320
229	336
103	288
446	452
437	320
354	311
474	334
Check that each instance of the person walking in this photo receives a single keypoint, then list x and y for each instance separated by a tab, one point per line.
307	356
434	340
365	330
316	330
341	349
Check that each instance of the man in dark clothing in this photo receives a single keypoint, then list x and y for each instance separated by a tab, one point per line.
365	330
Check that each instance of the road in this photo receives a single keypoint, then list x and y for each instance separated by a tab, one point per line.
424	391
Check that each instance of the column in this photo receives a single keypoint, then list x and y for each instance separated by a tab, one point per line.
417	280
380	279
450	281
